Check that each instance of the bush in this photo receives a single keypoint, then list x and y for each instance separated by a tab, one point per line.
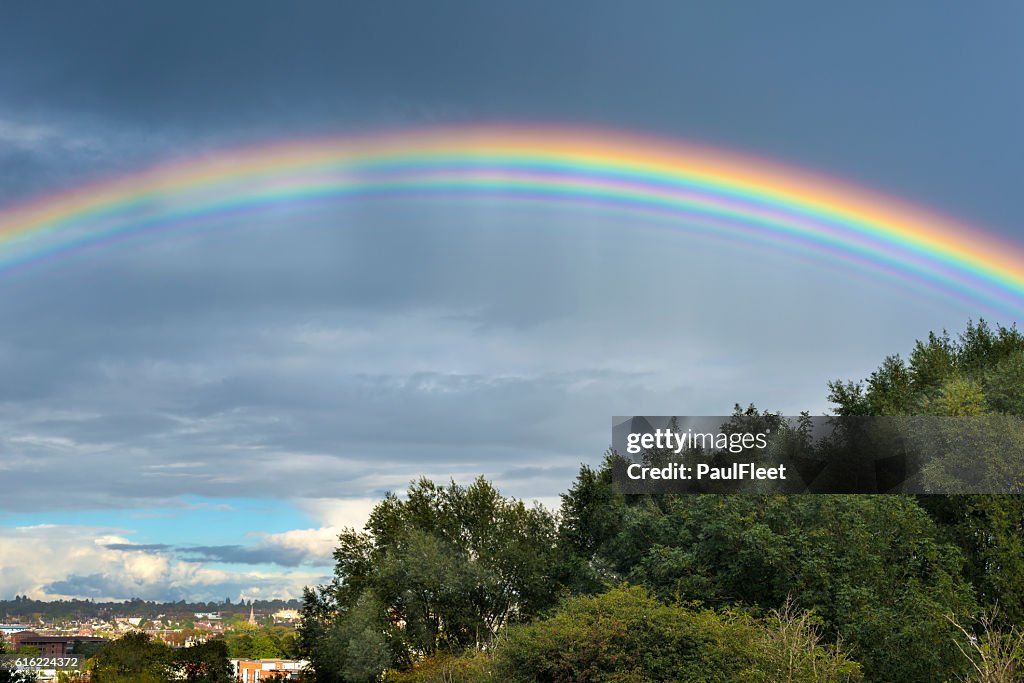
626	635
471	667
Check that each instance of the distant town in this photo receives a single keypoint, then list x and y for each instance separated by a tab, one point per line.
172	622
260	634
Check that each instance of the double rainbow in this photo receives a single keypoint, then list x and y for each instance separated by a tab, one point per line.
693	187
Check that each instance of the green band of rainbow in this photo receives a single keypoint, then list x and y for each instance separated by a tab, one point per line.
691	186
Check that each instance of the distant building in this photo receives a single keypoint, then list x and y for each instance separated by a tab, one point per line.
126	624
50	646
287	615
8	630
256	670
207	616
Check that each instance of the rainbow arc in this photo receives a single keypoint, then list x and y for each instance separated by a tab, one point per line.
692	187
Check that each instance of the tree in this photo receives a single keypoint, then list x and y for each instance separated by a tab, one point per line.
874	568
981	372
262	643
990	531
996	656
133	658
85	649
444	569
794	649
203	663
136	658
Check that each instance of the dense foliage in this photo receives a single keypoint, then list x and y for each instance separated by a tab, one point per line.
626	634
873	567
267	642
442	570
462	584
979	373
136	658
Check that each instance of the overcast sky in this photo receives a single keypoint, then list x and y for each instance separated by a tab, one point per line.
196	414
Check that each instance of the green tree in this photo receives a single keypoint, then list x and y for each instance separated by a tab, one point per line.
203	663
990	530
444	569
239	645
85	649
133	658
874	568
995	655
262	643
979	372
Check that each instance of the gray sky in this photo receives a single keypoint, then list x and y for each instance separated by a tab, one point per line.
262	383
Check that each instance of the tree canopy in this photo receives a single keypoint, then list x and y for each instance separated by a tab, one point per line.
137	658
444	569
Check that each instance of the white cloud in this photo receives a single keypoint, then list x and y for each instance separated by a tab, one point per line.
62	561
315	544
337	513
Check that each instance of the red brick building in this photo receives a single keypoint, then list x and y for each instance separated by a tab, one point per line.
50	646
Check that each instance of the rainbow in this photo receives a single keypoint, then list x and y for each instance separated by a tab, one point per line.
692	187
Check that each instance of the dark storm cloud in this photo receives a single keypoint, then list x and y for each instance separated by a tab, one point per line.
50	150
138	547
889	96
